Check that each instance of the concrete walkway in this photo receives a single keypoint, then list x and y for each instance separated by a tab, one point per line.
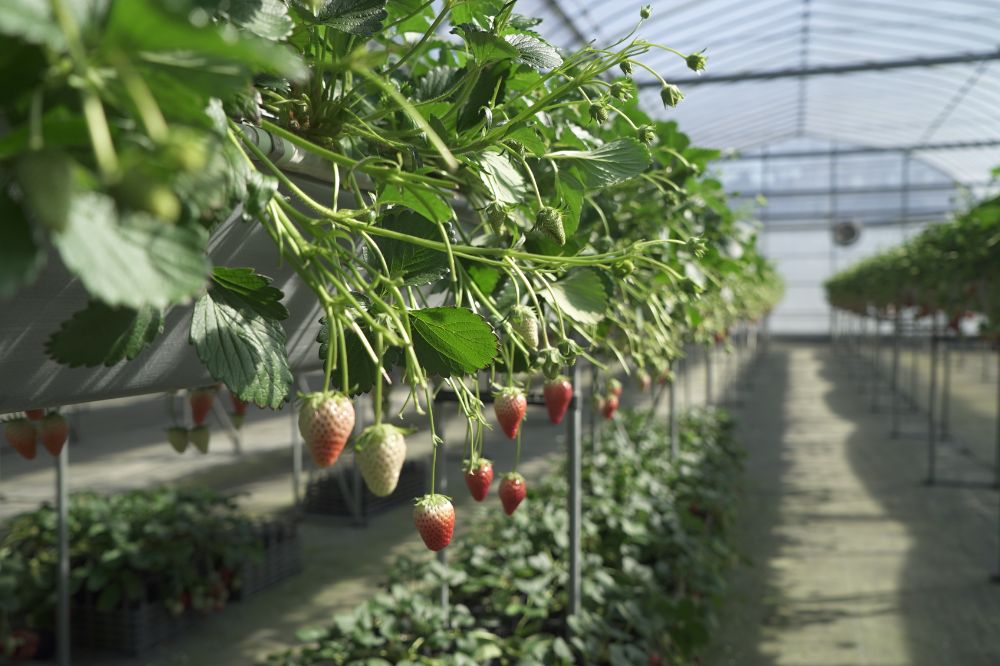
854	562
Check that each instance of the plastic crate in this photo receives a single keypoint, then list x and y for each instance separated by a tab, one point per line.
333	493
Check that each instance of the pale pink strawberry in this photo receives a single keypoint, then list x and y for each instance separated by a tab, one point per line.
325	422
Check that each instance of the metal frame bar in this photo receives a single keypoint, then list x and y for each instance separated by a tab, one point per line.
63	628
866	150
868	66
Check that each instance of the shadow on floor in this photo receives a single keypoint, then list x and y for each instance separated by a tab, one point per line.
949	608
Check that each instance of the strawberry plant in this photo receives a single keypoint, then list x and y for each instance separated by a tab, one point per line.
948	268
652	569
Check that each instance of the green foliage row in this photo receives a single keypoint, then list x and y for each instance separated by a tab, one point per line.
654	547
178	547
952	268
473	168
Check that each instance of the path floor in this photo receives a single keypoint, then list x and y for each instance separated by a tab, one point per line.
853	560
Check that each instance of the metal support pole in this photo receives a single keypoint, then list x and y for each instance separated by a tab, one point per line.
573	429
996	458
442	487
708	375
672	414
946	391
931	399
687	380
896	324
914	362
593	406
876	370
297	447
62	535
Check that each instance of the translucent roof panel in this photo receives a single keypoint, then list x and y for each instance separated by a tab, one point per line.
920	75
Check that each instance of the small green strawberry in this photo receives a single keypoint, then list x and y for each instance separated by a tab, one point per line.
178	438
200	436
525	324
549	221
381	452
599	113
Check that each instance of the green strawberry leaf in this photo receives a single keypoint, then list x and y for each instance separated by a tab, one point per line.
504	182
423	200
612	163
252	290
103	335
534	52
413	264
485	46
21	259
358	17
580	295
451	340
135	261
265	18
241	347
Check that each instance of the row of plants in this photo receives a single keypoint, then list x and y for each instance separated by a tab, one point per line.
950	268
655	551
184	549
496	206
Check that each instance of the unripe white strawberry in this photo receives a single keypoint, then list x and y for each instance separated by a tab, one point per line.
381	452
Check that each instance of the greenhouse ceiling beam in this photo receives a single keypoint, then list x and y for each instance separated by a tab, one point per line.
556	7
828	70
871	150
849	191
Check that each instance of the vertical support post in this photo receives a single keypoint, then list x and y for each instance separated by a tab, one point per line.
442	487
946	390
914	361
575	491
297	447
672	412
876	370
996	458
931	408
593	398
62	579
687	379
708	375
896	324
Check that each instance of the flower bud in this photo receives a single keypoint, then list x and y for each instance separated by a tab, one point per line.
599	113
696	61
620	91
671	95
646	134
626	67
645	12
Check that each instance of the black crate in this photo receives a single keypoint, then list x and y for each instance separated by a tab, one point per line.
333	493
132	630
281	558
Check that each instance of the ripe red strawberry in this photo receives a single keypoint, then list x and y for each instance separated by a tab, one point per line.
54	432
479	479
558	394
34	414
512	491
510	406
178	438
201	402
325	422
21	434
615	387
381	452
610	406
525	324
434	517
199	437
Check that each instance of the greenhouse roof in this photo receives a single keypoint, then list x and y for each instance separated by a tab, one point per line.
902	76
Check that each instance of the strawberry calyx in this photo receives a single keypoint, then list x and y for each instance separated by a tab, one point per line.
432	500
376	434
471	467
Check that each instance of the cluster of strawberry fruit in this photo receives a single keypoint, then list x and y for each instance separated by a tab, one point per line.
23	432
326	420
608	403
201	400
